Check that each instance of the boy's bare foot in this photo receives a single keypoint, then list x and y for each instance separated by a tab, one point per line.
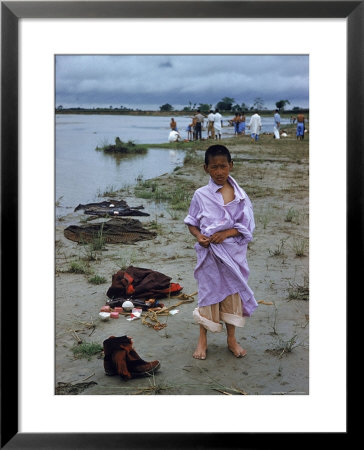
236	349
201	349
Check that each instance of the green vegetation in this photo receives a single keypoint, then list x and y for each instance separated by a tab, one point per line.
178	196
299	291
121	147
278	251
300	247
282	103
175	215
98	243
86	350
264	217
292	216
191	157
226	104
78	267
166	107
127	259
97	279
110	191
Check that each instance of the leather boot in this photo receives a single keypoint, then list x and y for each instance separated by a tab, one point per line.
138	367
115	356
120	358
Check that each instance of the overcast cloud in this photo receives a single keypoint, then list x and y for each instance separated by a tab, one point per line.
147	82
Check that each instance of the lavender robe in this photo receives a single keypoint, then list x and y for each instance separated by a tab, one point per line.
222	269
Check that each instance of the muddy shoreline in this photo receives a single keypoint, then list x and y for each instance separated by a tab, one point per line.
274	173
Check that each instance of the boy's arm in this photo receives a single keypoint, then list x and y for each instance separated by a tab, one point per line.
220	236
243	228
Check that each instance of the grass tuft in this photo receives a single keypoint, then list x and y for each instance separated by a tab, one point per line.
278	251
299	291
86	350
97	279
292	216
300	247
78	267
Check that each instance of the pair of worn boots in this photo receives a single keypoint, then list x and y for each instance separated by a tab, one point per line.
120	358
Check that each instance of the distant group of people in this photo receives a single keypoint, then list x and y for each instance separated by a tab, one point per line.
214	126
213	122
300	130
194	129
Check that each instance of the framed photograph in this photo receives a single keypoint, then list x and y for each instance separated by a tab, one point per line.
39	40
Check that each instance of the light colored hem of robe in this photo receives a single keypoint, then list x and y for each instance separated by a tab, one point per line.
206	323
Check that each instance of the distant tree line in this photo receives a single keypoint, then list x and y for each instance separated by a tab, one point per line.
226	104
106	109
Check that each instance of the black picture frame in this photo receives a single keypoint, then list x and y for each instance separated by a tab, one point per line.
11	12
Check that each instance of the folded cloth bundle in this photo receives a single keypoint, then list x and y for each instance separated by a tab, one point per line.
120	358
142	284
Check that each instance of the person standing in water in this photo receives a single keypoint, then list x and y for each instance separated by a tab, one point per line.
173	125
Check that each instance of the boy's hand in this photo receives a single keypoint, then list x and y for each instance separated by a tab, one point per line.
218	237
203	240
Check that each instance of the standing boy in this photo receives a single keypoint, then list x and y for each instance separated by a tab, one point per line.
221	218
173	125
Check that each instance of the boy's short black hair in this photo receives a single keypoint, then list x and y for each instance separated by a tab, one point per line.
217	150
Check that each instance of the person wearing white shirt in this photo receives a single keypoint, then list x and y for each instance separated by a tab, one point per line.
217	124
255	125
210	127
174	136
277	123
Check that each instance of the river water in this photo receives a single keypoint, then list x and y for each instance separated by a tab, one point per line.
82	173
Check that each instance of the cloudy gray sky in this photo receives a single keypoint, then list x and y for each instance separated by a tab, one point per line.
147	82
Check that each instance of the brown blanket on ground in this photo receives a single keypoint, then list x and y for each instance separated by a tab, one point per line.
141	283
113	231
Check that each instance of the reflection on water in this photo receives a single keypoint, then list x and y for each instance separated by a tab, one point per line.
120	158
82	172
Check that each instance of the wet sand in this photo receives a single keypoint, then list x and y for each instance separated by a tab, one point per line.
274	173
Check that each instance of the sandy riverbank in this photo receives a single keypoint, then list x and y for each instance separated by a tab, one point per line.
274	173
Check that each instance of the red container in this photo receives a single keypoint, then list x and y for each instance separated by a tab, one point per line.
118	309
105	308
114	315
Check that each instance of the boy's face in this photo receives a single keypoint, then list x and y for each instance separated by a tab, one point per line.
218	168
